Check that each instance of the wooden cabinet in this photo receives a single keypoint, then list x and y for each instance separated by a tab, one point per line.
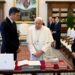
60	9
1	10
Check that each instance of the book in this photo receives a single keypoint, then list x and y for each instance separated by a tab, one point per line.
32	65
62	64
49	65
54	60
29	65
22	62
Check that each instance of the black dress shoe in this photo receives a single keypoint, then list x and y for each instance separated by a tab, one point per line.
57	48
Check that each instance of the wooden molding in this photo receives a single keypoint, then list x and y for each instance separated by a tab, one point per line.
2	1
60	1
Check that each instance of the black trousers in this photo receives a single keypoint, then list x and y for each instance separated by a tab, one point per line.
58	44
15	56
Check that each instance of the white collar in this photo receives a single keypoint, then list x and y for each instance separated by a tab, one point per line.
10	20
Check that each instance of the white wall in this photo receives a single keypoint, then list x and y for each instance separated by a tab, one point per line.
43	10
8	4
42	7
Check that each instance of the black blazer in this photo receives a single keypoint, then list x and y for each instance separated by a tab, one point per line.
50	26
10	41
57	28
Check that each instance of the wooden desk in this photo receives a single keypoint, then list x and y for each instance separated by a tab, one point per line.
42	69
34	72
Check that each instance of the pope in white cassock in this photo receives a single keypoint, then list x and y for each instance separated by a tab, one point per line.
39	40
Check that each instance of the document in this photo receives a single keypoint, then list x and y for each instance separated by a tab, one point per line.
34	63
23	62
27	62
7	62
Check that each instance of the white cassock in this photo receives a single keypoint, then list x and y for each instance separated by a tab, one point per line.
39	40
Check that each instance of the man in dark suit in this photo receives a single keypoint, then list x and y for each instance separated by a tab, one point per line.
51	24
10	40
57	32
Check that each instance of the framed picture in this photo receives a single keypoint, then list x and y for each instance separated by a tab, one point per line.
28	10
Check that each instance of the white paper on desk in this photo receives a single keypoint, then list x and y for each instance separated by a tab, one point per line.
7	62
34	63
22	62
7	66
51	59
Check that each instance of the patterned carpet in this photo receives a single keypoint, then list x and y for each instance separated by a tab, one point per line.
24	53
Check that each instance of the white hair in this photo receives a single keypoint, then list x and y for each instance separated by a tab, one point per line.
38	18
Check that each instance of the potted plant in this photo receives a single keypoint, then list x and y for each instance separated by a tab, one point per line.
70	20
70	23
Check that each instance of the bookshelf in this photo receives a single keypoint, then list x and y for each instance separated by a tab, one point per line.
60	9
1	10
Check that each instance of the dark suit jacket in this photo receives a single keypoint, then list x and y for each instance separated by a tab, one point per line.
57	28
50	26
10	41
